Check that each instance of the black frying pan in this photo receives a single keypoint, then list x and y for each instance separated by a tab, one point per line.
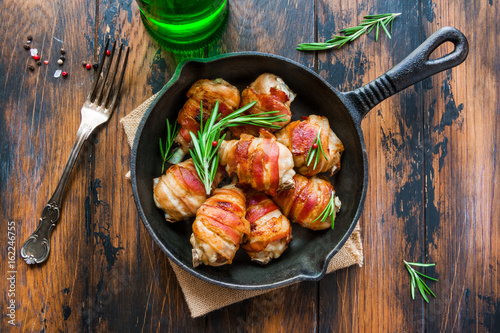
310	251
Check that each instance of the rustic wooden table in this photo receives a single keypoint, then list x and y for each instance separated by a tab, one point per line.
433	192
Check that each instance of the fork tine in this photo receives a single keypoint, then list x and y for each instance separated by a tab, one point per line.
91	95
120	80
98	97
113	75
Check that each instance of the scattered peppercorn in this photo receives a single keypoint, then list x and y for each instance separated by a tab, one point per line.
64	74
214	143
63	51
108	52
36	57
84	63
26	47
315	145
30	37
63	58
95	65
46	62
31	67
39	63
60	62
28	42
88	66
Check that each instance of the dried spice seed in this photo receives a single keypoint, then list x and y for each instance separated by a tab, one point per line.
31	67
84	63
88	66
30	38
33	52
63	58
95	65
28	42
26	47
315	145
57	73
108	52
64	74
36	57
46	62
60	62
39	63
63	51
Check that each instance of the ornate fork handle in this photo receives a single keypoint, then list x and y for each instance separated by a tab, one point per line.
37	247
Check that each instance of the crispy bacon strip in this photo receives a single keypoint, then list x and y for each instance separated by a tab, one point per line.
300	135
179	192
306	201
270	229
219	227
208	92
271	94
260	163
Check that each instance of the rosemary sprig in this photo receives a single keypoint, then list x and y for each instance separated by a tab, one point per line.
169	141
313	151
350	34
207	141
328	211
417	281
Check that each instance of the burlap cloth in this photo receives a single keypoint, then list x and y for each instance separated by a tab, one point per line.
203	297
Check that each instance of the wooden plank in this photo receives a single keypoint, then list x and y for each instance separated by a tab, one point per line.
377	296
129	275
462	117
39	120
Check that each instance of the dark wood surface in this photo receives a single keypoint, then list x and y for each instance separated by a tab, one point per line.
433	191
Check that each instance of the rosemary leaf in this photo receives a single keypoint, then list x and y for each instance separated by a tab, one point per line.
366	26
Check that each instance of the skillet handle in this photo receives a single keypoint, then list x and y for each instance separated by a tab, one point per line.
414	68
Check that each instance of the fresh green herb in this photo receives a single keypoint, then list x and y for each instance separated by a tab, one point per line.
169	141
313	151
350	34
417	281
208	140
330	210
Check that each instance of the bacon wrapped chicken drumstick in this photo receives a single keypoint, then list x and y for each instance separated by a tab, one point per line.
271	94
300	137
270	230
219	227
260	163
208	92
305	203
179	192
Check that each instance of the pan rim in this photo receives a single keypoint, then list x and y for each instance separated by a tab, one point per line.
260	286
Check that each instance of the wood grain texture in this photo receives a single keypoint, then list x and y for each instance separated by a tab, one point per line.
432	196
377	296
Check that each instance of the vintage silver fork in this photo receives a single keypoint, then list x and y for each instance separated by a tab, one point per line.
96	110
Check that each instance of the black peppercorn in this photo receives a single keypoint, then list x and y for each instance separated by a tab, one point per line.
39	63
26	46
31	67
63	51
62	58
30	37
95	65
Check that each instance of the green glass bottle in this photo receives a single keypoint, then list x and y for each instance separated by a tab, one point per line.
184	25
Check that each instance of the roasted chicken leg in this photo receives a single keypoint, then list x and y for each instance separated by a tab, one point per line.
304	203
207	92
271	94
179	192
270	230
219	228
300	135
260	163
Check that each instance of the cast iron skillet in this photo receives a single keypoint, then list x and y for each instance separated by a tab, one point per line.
309	251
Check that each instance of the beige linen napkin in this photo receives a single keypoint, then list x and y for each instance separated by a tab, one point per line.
203	297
